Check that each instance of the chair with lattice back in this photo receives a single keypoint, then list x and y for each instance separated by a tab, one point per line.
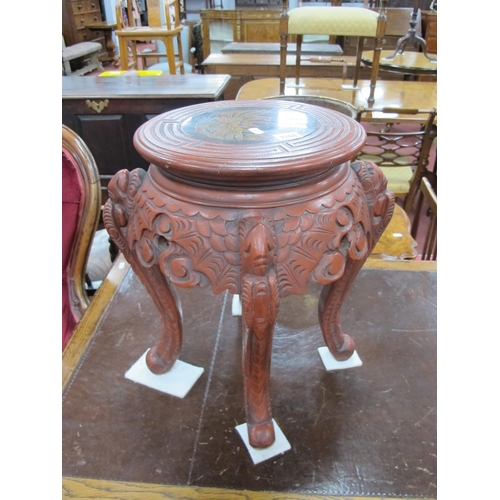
399	141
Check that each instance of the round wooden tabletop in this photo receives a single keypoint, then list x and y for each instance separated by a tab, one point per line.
409	63
254	143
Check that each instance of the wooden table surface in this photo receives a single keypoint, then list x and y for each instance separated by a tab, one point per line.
402	94
408	63
244	68
130	85
307	49
88	334
268	64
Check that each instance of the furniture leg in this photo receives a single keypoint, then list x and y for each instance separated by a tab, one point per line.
121	220
67	68
379	208
297	60
169	49
331	299
122	42
260	302
359	51
96	62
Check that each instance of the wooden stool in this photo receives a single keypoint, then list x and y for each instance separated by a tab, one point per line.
87	50
258	198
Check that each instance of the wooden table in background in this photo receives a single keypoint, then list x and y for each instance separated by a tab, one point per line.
308	49
408	63
402	94
396	242
106	111
245	68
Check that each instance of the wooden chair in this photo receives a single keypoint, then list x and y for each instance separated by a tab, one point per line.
332	21
166	32
81	209
399	142
426	207
325	102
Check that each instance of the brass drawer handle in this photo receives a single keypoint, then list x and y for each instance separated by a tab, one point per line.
97	107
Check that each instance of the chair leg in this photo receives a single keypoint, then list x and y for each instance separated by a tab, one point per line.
297	59
181	55
123	45
169	47
67	68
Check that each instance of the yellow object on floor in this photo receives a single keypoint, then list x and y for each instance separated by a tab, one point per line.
146	72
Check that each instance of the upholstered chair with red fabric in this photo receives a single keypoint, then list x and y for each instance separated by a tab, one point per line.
81	207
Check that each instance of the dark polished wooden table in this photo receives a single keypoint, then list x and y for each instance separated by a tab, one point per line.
106	112
258	198
379	418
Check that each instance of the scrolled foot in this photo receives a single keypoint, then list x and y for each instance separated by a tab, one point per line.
156	363
261	435
346	351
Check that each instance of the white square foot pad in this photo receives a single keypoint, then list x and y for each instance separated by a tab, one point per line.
177	382
332	364
236	306
259	455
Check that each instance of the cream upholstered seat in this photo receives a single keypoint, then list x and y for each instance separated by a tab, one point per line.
333	21
347	21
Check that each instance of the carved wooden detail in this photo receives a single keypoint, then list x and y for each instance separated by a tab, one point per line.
245	232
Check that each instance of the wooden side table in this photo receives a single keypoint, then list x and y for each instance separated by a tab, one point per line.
258	198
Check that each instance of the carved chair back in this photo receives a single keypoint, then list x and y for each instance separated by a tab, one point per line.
81	209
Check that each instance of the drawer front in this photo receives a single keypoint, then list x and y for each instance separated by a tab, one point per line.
85	6
85	19
84	35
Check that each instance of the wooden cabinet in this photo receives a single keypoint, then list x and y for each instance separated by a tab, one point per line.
77	15
430	31
106	112
248	25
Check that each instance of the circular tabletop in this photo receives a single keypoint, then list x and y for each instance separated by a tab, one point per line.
409	63
254	142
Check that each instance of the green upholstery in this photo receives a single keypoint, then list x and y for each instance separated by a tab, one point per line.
346	21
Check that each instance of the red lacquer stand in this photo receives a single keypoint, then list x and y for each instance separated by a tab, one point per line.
256	197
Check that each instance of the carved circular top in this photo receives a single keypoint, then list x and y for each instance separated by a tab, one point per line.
246	143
